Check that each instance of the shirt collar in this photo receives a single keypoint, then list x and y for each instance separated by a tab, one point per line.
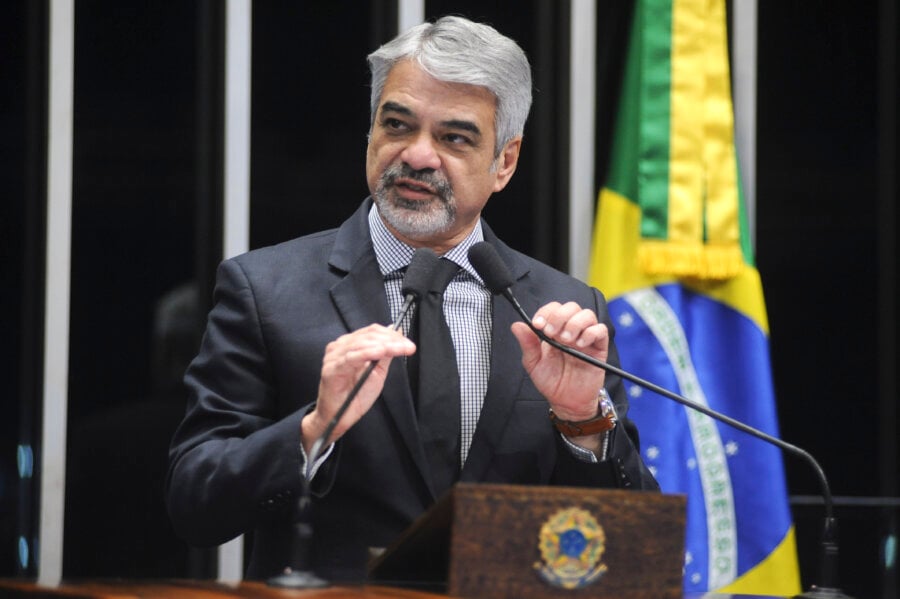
393	255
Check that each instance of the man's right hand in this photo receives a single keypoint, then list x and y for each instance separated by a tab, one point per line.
345	360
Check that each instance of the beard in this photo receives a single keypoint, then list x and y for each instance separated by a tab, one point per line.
415	219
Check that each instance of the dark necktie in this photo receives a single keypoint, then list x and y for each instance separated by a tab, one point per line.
434	381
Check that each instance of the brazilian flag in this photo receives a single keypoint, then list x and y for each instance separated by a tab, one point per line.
672	253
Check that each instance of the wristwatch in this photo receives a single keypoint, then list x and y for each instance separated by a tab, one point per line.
605	420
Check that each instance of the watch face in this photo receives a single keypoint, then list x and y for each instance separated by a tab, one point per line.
607	408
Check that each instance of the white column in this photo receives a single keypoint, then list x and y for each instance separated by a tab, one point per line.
236	234
56	299
743	73
238	46
409	14
582	106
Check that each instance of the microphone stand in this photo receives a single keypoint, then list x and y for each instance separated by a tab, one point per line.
299	575
828	557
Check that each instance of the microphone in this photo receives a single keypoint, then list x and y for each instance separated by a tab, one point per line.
298	576
499	280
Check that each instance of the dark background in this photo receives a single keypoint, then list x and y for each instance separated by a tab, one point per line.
147	205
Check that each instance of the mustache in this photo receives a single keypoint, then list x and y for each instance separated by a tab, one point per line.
429	177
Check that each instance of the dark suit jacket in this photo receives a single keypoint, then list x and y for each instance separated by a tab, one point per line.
235	459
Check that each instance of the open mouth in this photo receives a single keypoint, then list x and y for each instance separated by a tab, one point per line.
414	189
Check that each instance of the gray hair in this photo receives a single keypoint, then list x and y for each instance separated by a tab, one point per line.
456	50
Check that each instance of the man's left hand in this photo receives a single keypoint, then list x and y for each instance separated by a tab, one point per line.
570	385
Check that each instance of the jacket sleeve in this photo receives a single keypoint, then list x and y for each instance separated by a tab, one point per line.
234	461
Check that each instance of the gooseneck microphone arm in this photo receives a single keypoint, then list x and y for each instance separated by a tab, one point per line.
297	575
499	280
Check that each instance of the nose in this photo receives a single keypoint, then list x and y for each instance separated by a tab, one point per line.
421	154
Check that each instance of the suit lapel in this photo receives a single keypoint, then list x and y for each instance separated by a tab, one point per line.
360	300
507	375
506	379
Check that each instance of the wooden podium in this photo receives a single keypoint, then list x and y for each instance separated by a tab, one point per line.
522	541
193	589
484	541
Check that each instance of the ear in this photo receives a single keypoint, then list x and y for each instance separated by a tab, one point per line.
506	162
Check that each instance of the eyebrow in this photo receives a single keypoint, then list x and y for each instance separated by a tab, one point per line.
396	107
463	125
460	124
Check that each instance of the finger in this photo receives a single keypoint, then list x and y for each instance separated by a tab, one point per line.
577	325
367	345
376	349
551	317
565	321
594	336
529	343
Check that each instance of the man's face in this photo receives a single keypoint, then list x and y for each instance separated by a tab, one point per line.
430	163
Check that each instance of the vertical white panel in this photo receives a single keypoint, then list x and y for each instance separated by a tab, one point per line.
236	236
409	13
56	310
231	561
238	19
743	73
582	195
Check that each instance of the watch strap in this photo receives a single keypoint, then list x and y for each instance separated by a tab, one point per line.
605	420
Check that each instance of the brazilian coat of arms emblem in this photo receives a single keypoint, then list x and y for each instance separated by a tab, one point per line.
571	544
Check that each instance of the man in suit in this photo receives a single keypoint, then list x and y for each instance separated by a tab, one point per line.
294	326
